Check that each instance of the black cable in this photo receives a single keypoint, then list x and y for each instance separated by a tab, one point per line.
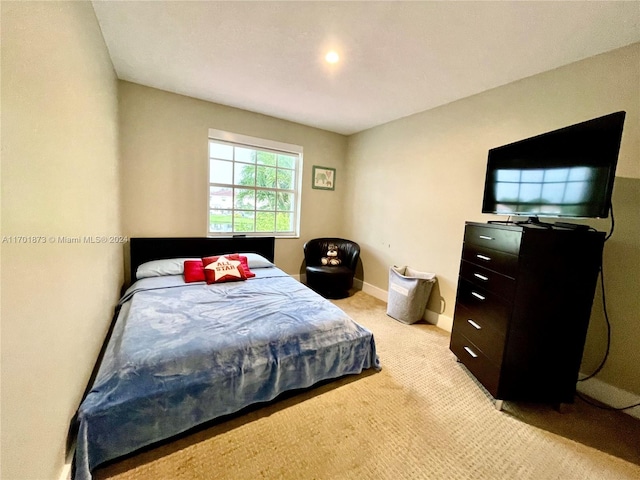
604	305
606	318
613	222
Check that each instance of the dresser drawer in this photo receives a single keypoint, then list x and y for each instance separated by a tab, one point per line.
481	333
488	279
478	364
484	305
494	238
505	263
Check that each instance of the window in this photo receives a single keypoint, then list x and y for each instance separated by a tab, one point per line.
254	186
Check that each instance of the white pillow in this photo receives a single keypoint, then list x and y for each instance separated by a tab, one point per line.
175	266
257	261
159	268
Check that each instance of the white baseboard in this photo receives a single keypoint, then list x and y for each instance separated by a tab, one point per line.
439	320
65	473
610	395
369	289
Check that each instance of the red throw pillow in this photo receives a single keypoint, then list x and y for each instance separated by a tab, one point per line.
223	268
193	271
245	265
243	259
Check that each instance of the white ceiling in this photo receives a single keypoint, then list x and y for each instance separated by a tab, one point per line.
397	58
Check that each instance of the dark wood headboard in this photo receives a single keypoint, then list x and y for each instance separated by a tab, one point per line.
143	250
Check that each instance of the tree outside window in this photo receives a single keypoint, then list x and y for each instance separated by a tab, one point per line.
252	190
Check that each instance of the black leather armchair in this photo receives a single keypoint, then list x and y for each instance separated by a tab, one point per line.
331	281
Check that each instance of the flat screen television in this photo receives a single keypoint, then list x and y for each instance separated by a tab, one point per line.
563	173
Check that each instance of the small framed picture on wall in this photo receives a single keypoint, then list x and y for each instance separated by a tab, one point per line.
324	178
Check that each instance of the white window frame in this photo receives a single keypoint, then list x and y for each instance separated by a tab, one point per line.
237	139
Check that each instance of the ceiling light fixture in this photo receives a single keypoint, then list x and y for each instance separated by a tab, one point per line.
332	57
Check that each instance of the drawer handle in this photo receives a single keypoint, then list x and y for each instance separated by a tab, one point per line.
485	237
478	296
481	277
483	257
471	352
474	324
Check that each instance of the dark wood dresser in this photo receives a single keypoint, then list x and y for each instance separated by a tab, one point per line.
522	308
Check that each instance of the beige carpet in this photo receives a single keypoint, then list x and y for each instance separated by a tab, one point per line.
422	417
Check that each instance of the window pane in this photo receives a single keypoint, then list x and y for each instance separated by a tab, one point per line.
508	175
532	176
265	221
507	192
267	158
530	192
265	200
286	161
244	221
247	155
581	173
285	179
577	192
220	198
245	174
266	177
284	222
244	199
285	202
553	192
219	150
220	221
556	175
220	171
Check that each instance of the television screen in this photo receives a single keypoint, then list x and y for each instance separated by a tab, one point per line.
564	173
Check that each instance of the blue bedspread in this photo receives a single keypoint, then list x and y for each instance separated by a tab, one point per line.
183	354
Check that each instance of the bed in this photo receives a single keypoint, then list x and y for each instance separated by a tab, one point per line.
181	354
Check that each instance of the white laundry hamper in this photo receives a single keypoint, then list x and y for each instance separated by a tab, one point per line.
409	292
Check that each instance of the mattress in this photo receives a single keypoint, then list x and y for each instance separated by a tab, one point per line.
182	354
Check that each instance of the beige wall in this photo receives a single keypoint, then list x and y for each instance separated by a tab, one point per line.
164	166
59	178
431	167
